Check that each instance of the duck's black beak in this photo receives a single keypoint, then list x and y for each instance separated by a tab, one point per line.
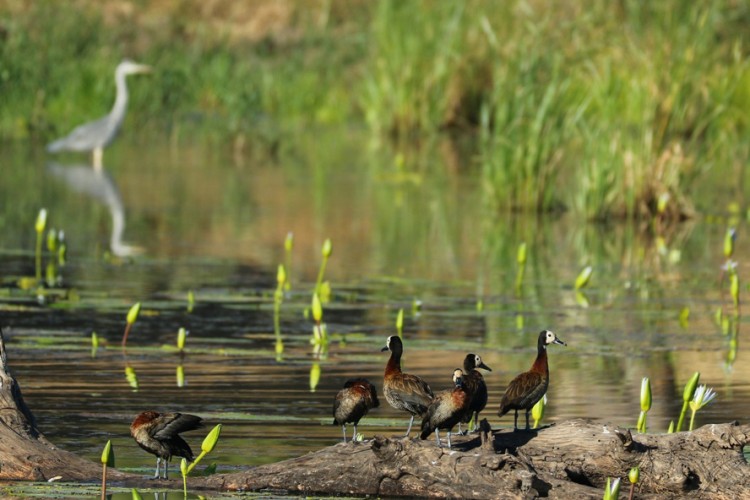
482	365
558	341
384	349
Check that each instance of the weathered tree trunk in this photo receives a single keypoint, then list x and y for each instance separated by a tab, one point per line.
24	451
568	460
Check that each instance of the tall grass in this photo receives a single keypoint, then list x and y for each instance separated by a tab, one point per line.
601	108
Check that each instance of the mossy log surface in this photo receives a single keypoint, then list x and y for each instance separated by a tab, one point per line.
571	459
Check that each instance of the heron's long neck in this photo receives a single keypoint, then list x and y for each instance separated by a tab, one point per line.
121	101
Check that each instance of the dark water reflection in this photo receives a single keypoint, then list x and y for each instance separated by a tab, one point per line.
406	227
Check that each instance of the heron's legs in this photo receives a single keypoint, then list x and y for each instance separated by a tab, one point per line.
98	153
343	428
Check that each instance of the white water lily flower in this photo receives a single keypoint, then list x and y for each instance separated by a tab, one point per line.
703	395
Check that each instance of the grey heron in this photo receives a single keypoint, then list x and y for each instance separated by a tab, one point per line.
95	135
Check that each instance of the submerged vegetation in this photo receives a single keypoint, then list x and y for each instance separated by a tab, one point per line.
608	109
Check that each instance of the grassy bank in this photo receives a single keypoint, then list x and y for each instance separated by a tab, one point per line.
602	108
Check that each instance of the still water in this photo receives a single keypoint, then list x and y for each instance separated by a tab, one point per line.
410	230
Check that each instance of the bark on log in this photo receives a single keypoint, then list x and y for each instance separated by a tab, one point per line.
568	460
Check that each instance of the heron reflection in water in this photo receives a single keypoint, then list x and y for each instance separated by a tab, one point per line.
95	135
98	184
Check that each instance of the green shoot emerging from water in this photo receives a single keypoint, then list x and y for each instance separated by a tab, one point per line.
314	376
288	246
319	339
645	403
94	344
521	260
41	223
703	395
190	301
278	298
132	317
135	494
687	396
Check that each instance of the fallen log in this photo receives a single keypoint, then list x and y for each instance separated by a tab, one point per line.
571	459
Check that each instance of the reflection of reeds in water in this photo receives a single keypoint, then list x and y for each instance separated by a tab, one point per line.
99	185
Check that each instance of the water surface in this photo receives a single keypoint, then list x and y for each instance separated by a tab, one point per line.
411	230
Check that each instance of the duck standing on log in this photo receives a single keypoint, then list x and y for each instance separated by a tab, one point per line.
475	385
447	409
353	402
526	389
159	434
404	391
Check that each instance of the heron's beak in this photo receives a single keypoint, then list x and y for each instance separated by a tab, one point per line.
144	68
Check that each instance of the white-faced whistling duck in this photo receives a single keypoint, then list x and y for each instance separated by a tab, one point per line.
475	385
404	391
526	389
158	434
446	409
353	402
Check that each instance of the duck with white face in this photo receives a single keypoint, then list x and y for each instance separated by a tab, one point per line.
404	391
527	388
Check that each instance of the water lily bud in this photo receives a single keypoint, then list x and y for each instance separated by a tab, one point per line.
687	394
400	321
661	202
52	240
729	238
327	248
521	254
317	308
734	287
645	394
281	275
314	376
670	430
583	278
289	241
183	467
180	372
108	455
135	309
211	439
41	221
634	474
181	336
